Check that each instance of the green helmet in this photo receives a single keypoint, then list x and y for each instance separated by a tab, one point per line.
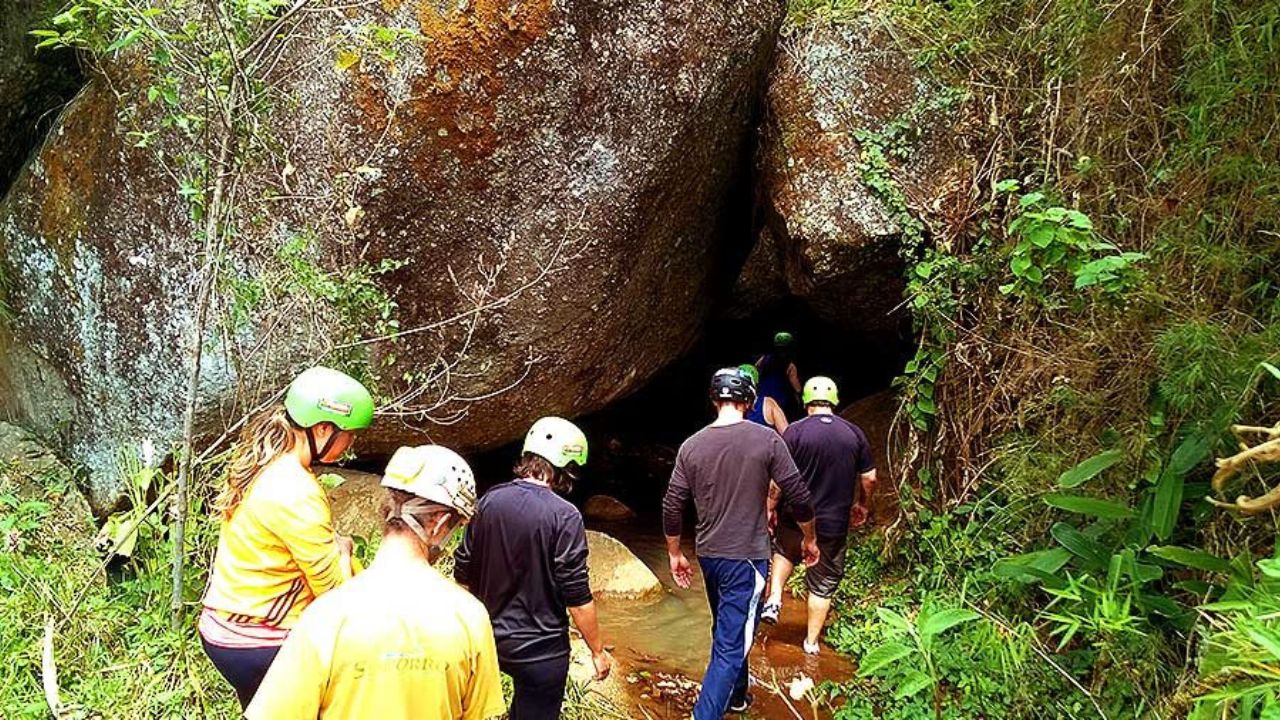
558	441
820	389
321	394
783	339
750	371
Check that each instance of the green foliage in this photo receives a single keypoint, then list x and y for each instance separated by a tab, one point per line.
1241	650
115	652
1051	241
908	660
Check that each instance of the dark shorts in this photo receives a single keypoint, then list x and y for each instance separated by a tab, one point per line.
824	578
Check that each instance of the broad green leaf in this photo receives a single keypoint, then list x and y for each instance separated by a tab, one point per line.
1189	453
1228	606
1269	567
1089	506
1079	220
1030	199
942	621
1007	185
1012	570
1265	637
912	683
1080	545
881	657
1089	468
1192	558
1275	371
893	619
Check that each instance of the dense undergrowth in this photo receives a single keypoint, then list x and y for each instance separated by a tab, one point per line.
1091	326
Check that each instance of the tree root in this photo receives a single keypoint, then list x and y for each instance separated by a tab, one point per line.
1267	451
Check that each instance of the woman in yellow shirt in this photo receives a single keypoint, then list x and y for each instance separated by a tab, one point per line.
277	550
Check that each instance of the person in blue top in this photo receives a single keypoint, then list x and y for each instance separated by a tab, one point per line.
779	378
765	411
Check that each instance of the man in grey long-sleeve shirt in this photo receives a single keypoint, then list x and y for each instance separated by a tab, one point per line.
726	468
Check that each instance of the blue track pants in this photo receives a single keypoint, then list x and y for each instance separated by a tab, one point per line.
735	589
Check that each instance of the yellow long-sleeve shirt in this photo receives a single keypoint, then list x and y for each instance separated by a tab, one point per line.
400	642
278	551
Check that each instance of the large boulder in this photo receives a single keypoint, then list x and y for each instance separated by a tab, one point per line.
607	508
829	236
875	415
553	176
34	84
616	572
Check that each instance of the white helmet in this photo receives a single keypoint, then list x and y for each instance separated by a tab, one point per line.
435	473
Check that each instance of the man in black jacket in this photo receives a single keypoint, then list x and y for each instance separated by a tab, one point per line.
524	555
726	467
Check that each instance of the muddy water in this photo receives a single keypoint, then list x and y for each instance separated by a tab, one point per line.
662	646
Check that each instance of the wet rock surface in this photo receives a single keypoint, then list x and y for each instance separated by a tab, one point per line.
616	572
578	154
829	236
34	84
604	507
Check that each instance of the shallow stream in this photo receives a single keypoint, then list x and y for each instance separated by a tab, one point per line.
661	644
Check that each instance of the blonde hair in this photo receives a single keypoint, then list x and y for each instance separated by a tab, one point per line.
264	438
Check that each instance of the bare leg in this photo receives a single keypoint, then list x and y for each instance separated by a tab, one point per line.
782	568
818	609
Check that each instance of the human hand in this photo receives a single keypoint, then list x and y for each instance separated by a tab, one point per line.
603	662
809	548
681	570
860	515
773	521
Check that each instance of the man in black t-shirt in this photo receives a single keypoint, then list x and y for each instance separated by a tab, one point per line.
524	555
835	459
725	469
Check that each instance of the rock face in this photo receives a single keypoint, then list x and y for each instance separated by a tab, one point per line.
616	572
357	504
874	414
34	85
552	174
604	507
827	236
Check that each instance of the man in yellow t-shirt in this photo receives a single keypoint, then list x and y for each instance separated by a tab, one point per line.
399	640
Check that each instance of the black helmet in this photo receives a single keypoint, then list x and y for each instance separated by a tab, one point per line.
734	385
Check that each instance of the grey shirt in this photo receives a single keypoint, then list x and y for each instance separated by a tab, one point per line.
726	470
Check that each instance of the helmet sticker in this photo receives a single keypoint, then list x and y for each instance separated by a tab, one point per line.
333	406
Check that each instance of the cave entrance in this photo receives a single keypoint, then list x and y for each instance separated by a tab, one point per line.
634	441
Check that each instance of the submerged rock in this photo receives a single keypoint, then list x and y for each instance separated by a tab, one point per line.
552	175
604	507
829	236
616	572
34	84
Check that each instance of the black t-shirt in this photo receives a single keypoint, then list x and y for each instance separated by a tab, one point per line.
831	453
524	555
726	470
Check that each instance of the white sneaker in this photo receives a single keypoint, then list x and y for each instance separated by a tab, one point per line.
770	613
811	649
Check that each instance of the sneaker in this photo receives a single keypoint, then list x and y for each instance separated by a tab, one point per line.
811	649
770	613
741	705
